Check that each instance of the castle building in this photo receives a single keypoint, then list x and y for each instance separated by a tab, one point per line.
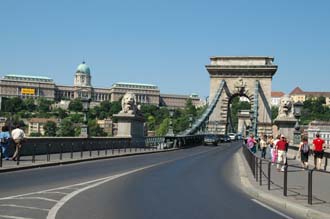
25	86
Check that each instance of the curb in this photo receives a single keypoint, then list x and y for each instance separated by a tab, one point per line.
49	164
273	200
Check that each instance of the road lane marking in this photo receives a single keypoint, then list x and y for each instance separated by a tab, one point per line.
86	185
38	198
272	209
53	211
14	217
26	207
61	193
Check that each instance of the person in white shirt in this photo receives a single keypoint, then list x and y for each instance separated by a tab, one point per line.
18	137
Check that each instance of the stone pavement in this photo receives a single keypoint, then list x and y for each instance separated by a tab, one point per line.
297	193
26	162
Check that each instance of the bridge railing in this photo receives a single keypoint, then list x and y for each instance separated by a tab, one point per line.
261	170
36	149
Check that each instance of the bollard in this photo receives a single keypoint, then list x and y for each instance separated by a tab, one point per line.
34	153
260	172
1	157
106	148
48	152
82	150
269	166
285	181
90	148
71	155
256	167
325	164
61	151
310	186
98	148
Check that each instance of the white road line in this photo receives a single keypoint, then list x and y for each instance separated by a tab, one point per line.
26	207
38	198
272	209
52	213
14	217
61	193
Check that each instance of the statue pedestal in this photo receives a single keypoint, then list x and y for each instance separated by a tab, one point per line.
286	126
131	126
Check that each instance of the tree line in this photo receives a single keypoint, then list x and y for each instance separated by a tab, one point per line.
18	111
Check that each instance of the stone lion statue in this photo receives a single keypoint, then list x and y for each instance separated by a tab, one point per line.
128	104
285	109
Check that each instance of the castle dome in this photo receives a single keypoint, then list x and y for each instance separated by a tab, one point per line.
83	68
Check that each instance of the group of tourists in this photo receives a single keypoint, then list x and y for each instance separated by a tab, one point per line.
17	136
278	149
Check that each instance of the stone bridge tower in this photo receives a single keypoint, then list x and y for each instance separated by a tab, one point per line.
241	74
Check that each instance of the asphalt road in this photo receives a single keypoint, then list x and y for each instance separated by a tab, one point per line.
199	182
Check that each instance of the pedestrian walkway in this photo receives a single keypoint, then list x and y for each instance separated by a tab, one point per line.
27	162
296	198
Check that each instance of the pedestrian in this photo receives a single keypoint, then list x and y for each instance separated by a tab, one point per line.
274	153
281	148
263	146
4	141
18	136
318	148
251	143
304	151
270	143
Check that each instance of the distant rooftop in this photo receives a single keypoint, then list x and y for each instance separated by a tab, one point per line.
28	78
134	85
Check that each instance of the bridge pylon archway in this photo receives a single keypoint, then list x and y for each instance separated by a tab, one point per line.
249	76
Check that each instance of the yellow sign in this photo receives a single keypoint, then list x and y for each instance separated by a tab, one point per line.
28	91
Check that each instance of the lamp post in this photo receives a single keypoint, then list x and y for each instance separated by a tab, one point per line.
190	121
251	114
170	128
216	126
84	128
297	107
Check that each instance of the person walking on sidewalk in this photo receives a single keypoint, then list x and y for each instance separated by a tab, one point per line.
4	141
281	148
251	143
274	151
318	148
304	151
18	136
263	146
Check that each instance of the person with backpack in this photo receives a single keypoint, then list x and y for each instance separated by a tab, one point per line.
4	141
304	151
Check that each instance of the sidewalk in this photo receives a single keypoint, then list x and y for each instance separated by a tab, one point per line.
26	162
297	193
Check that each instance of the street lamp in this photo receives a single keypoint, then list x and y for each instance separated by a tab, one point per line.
170	128
84	128
190	121
251	114
297	107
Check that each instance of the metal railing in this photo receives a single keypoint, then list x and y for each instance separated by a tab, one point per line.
261	168
50	149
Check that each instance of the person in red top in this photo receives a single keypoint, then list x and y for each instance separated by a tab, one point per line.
318	145
281	148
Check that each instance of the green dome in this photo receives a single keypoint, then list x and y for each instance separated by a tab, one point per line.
83	68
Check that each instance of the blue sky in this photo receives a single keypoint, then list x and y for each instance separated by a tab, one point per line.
166	43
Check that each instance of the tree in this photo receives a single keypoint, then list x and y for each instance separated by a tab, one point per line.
115	108
274	112
43	105
76	105
29	104
95	129
66	128
50	128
